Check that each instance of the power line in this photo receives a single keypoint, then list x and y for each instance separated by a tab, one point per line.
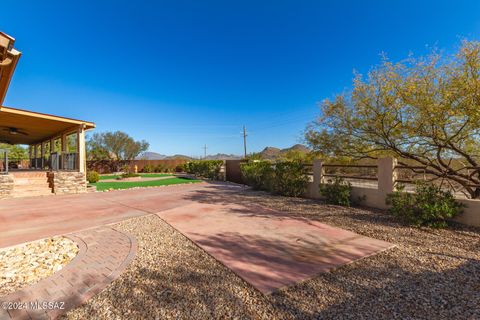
282	123
245	141
284	117
205	151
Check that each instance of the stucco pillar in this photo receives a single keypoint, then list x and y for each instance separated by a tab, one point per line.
317	178
386	175
317	172
82	158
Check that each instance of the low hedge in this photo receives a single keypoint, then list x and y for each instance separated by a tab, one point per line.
258	174
286	178
209	169
337	191
148	169
428	206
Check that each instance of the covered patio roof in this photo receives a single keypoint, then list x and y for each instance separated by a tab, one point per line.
8	61
19	126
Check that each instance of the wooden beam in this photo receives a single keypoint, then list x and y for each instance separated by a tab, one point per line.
42	155
6	73
82	158
27	113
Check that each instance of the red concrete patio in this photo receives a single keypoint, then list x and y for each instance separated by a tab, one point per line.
28	219
268	249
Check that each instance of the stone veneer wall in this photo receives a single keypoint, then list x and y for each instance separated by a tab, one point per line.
63	182
6	185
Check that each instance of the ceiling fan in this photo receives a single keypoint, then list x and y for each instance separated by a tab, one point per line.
14	131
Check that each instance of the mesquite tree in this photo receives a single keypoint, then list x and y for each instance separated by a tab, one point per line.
115	146
425	111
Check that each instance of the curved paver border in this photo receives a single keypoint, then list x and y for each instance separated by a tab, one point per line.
104	253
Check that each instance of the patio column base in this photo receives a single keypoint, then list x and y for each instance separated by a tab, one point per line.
67	182
6	185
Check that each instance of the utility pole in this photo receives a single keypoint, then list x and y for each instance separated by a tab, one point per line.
245	141
205	152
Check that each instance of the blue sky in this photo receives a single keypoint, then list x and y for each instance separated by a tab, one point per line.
182	74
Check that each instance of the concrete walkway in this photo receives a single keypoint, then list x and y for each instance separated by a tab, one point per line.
28	219
268	249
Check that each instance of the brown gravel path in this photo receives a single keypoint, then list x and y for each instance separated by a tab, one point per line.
430	274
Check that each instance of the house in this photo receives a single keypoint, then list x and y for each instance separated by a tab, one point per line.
57	156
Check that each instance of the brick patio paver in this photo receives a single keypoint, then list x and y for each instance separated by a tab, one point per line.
103	254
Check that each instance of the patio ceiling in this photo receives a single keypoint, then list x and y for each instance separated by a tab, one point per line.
26	127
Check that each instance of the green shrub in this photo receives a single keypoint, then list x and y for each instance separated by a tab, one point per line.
128	175
187	167
93	176
428	206
160	168
179	168
148	168
337	191
126	168
286	178
258	174
209	169
290	178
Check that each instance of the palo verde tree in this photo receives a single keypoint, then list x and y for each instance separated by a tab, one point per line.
425	111
114	146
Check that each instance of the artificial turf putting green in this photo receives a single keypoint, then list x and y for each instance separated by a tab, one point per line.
135	184
143	175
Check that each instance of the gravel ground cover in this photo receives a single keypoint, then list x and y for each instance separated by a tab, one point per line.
430	274
29	263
